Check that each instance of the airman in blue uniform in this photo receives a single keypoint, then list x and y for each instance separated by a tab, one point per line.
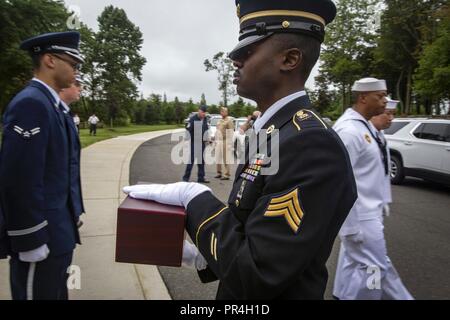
36	180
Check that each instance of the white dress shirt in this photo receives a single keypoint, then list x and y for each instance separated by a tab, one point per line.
52	91
277	106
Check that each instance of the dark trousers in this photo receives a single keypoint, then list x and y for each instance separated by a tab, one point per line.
93	129
195	155
45	280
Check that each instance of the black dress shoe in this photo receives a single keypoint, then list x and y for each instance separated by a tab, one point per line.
204	181
218	176
225	178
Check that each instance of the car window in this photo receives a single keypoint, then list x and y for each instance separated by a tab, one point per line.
447	135
214	121
432	131
418	132
395	127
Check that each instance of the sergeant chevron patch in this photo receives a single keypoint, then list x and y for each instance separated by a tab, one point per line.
287	206
27	134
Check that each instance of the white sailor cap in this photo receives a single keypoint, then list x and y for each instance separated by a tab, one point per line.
369	84
391	104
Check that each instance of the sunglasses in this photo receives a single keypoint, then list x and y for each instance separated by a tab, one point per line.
75	65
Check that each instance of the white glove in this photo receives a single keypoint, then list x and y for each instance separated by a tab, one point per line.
357	237
176	194
36	255
192	257
386	210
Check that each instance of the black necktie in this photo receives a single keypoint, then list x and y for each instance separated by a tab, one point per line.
381	146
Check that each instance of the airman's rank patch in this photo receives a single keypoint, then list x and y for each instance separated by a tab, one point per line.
287	206
368	139
26	134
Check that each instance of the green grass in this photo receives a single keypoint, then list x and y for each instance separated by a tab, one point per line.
107	133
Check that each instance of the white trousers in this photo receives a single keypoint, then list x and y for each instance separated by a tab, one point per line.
364	271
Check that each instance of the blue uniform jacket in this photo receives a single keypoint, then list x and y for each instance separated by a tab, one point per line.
35	174
3	241
191	125
76	197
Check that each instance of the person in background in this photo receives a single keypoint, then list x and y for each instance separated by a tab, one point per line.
380	123
197	128
76	121
93	121
69	96
224	140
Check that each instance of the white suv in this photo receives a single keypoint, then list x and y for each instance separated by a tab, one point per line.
420	148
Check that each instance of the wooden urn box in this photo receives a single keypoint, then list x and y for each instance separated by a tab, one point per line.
150	233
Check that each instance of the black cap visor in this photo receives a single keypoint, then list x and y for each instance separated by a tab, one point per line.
244	43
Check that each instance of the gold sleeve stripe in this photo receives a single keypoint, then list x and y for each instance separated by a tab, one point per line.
206	221
212	243
215	249
288	13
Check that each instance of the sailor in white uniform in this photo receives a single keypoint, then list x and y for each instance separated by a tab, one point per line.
364	270
381	123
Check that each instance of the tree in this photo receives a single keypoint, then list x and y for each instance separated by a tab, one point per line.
180	112
432	79
91	74
118	60
224	67
19	20
203	100
322	98
153	114
238	109
213	109
191	106
169	114
405	25
349	42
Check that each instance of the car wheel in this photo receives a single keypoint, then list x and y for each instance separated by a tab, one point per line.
397	171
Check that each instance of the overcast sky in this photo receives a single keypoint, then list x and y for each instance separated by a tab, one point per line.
178	36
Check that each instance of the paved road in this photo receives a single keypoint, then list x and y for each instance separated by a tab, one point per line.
417	233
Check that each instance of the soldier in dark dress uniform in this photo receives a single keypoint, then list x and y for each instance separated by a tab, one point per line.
273	238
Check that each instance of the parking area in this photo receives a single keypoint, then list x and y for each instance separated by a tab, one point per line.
417	232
